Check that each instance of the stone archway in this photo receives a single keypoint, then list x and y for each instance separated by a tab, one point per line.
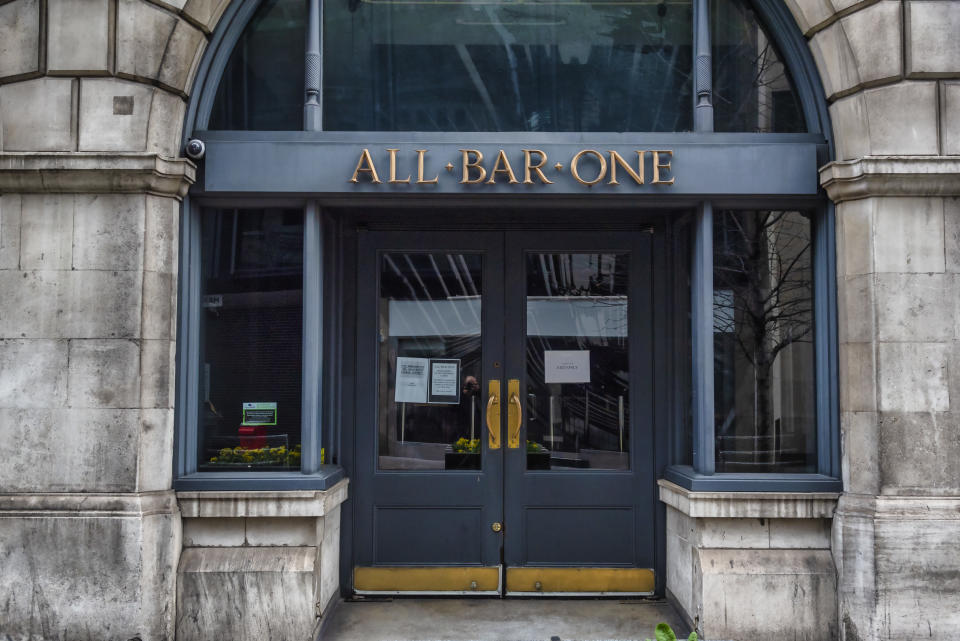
92	103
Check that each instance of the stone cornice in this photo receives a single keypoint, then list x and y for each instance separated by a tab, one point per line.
891	176
899	508
88	505
78	173
756	505
291	503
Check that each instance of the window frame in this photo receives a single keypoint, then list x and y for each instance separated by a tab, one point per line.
319	394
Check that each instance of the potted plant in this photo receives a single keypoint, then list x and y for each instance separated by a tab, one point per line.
465	455
538	457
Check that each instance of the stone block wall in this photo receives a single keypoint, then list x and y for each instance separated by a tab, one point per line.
92	99
891	72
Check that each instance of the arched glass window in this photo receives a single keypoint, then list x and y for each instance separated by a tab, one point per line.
722	95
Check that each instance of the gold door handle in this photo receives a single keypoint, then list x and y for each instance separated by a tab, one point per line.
514	414
493	414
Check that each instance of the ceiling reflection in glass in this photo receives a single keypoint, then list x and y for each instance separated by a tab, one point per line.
507	66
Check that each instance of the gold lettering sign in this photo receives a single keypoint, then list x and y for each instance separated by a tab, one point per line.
587	167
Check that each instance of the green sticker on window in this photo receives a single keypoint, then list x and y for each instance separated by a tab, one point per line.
259	414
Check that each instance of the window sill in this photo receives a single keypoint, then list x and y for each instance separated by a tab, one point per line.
685	477
323	479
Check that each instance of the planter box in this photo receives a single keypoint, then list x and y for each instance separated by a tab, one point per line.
461	460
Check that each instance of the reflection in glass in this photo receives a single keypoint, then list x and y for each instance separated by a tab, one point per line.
479	65
429	313
763	342
262	84
752	90
251	328
578	372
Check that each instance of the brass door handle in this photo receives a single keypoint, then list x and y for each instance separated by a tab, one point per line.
493	414
514	414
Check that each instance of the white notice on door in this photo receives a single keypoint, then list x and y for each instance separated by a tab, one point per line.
412	378
566	366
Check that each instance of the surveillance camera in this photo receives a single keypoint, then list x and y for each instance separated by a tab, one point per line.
195	149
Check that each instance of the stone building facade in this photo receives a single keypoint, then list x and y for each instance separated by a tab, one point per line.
96	544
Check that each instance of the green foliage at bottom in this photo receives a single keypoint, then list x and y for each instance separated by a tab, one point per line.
665	633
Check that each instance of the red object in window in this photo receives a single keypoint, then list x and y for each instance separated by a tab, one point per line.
253	437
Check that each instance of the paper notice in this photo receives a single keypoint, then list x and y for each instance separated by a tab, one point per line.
412	376
566	366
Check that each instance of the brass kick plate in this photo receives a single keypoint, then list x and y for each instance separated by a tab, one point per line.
426	579
580	580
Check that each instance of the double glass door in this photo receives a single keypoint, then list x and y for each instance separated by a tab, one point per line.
504	431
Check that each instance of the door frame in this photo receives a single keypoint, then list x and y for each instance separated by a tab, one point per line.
670	288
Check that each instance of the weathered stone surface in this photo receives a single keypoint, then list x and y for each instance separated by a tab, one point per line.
860	49
950	117
155	457
298	503
280	532
902	118
205	12
856	309
932	44
108	232
100	304
29	304
104	373
159	306
328	531
90	173
748	594
855	237
210	533
891	176
84	575
754	505
154	44
166	122
810	13
37	115
246	593
46	232
800	534
911	307
19	38
858	389
10	206
78	36
951	233
859	446
891	558
734	533
114	114
161	243
157	366
912	377
34	373
908	235
918	453
69	450
851	135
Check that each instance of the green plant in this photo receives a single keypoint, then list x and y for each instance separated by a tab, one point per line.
467	446
533	448
262	456
665	633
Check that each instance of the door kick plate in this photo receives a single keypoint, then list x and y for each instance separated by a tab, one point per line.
427	579
592	581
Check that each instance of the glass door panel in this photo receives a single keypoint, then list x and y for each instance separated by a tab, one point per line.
430	354
578	366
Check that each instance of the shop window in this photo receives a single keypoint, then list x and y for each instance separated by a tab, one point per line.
764	386
262	84
252	340
752	89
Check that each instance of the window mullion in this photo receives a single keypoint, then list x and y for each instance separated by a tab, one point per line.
311	438
312	110
701	311
702	68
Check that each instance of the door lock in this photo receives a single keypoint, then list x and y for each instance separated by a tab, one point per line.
496	527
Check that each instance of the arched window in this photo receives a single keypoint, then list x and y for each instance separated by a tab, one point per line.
710	110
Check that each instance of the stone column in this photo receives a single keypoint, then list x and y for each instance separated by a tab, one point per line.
92	99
